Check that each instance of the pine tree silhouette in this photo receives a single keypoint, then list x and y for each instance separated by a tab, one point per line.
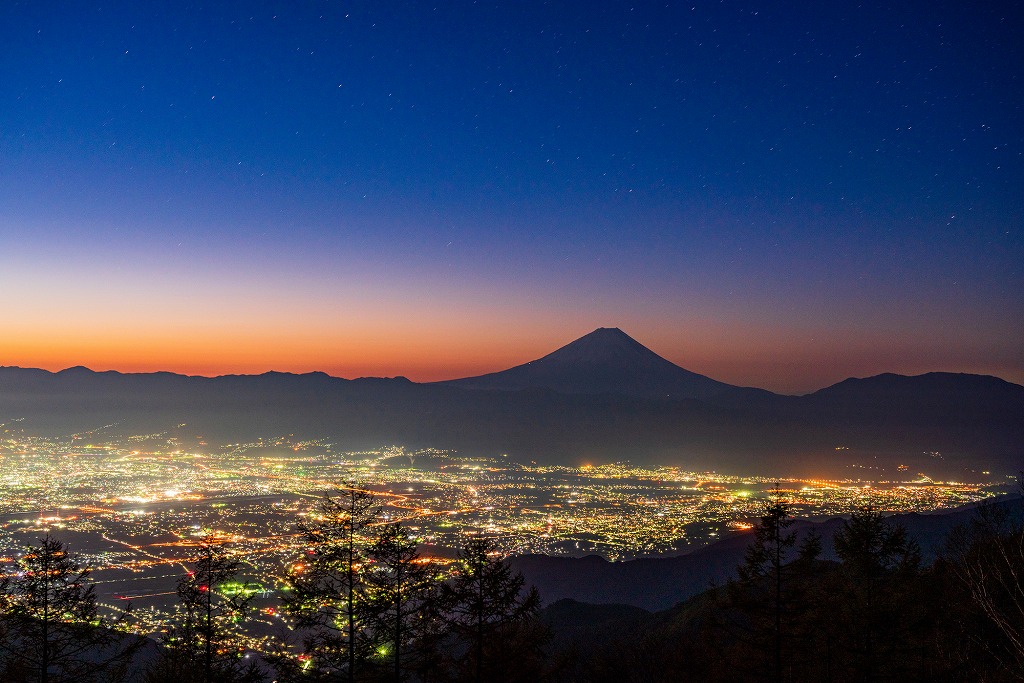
52	632
327	586
202	643
488	611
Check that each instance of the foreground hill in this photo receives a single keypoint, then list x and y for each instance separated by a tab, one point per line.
658	583
599	399
872	612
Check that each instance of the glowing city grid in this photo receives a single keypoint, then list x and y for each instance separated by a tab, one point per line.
133	508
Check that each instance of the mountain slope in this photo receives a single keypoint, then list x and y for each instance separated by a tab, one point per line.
607	361
603	398
950	396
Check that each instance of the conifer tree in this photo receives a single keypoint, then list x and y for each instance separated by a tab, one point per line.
202	644
326	586
769	600
51	631
489	613
873	600
401	596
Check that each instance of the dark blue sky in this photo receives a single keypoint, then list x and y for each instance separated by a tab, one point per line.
777	194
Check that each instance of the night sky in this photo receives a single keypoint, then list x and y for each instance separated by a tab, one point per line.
773	194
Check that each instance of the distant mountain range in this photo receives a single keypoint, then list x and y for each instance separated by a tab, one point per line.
604	397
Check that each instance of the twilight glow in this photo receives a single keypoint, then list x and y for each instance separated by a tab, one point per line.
772	196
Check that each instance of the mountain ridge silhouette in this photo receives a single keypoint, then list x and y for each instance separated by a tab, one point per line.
932	423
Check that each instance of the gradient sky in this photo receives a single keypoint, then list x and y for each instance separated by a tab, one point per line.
773	194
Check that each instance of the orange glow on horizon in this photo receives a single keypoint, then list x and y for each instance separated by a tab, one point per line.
728	355
215	357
